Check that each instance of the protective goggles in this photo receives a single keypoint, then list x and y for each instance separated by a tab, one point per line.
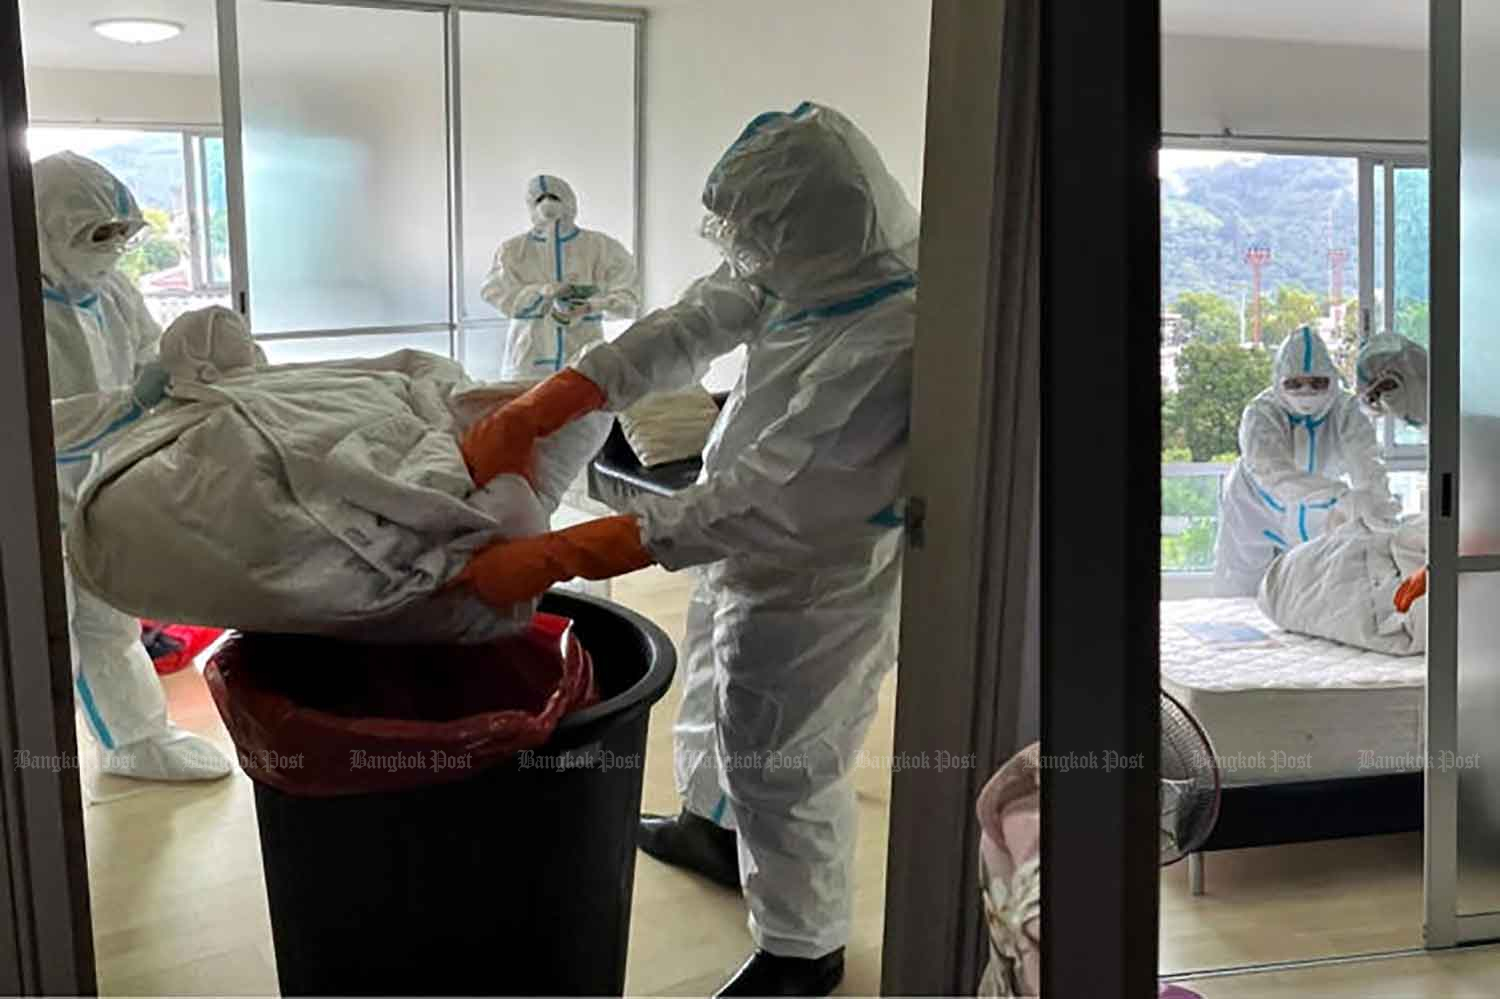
1371	395
117	234
1306	384
744	258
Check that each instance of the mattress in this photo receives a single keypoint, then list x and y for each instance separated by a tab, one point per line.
1279	706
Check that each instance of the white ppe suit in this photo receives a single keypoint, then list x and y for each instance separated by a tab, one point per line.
794	622
1391	374
1295	452
535	272
100	338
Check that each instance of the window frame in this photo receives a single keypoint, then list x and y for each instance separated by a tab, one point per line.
1388	156
457	324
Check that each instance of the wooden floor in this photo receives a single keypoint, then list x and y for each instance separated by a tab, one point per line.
1458	974
1294	903
179	905
1308	902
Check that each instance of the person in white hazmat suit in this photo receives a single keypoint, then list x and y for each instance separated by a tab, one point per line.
1391	378
1299	440
794	622
556	283
100	338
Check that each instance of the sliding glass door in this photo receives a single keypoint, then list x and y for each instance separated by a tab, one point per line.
1463	777
372	180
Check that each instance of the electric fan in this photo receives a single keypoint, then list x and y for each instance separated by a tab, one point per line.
1189	782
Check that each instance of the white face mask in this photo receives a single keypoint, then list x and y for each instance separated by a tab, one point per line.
1310	404
550	210
90	264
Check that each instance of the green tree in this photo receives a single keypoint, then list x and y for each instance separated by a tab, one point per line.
1412	321
1208	317
1287	311
1216	381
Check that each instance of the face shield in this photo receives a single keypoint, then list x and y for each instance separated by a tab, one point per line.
744	257
95	251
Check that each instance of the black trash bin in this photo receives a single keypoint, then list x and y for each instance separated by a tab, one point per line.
516	881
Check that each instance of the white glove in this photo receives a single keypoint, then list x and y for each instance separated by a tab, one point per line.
1378	511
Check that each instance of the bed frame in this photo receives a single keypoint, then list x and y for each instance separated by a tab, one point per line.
1307	811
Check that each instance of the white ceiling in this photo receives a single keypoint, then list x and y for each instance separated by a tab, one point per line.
1395	24
56	33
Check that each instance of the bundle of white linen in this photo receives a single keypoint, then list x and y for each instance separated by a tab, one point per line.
328	498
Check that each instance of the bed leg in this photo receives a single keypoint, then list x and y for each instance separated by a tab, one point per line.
1195	873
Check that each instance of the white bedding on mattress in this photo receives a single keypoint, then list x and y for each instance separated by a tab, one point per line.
1290	707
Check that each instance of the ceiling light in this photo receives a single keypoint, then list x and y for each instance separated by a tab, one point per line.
137	30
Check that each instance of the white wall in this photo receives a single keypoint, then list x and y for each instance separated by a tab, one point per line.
1293	88
86	96
712	65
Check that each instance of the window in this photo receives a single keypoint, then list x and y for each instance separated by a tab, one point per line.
375	210
1254	246
177	177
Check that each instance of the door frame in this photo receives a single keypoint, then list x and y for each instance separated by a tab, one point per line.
1442	925
46	937
1035	486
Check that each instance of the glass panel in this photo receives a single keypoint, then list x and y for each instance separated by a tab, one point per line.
334	348
1478	707
1232	222
1189	521
1479	286
1412	252
1377	300
346	187
484	350
216	211
1410	490
523	115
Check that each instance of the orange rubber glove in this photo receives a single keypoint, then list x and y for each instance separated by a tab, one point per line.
511	571
1411	588
502	441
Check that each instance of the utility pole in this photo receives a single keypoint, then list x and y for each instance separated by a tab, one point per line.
1257	257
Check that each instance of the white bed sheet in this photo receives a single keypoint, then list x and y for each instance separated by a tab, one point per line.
1288	707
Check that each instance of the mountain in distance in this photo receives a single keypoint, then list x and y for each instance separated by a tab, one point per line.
1299	206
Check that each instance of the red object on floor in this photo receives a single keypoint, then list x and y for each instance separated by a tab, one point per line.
173	647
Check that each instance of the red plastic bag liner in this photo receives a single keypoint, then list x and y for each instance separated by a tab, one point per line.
173	647
319	717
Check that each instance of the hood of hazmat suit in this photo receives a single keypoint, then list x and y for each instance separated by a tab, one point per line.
326	498
1392	378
